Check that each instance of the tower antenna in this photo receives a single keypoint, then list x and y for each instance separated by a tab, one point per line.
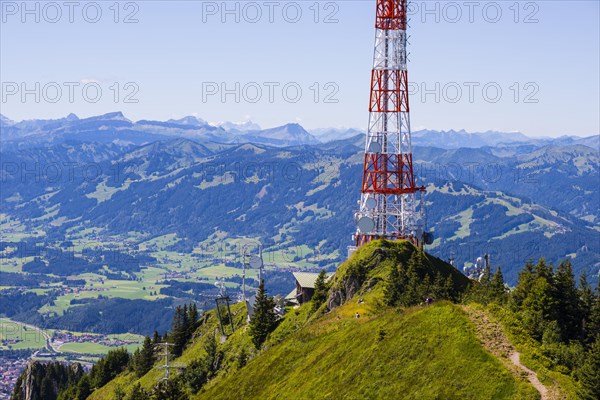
391	204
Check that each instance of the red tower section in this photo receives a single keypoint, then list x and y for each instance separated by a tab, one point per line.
391	204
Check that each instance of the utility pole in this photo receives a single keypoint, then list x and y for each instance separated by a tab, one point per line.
166	366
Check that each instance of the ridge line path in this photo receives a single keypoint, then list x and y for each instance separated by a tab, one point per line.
494	340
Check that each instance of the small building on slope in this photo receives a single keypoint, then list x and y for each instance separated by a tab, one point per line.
305	287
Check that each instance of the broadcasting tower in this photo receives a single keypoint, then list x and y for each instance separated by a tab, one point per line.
391	204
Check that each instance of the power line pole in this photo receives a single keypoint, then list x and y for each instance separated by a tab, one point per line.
167	367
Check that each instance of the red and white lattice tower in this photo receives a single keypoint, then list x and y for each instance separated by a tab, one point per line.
391	203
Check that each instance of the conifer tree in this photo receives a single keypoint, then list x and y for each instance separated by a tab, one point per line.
192	320
391	291
589	373
543	270
119	393
496	287
411	293
438	287
524	286
137	393
169	390
84	388
242	358
586	296
568	305
594	325
185	322
449	292
321	291
424	289
535	298
180	329
264	319
417	262
145	358
156	339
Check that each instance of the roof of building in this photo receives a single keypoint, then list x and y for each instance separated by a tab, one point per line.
307	279
291	297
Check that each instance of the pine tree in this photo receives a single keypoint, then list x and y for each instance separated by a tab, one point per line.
393	286
586	296
196	374
496	287
587	299
438	290
524	286
542	270
137	393
179	330
156	339
84	388
321	291
424	289
539	307
594	326
448	292
411	294
145	358
242	358
264	319
192	320
119	393
589	373
213	357
185	323
169	390
568	305
416	262
109	366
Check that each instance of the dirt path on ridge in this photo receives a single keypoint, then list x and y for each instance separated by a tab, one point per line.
494	340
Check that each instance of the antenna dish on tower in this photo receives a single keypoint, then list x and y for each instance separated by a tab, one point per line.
366	224
256	262
371	203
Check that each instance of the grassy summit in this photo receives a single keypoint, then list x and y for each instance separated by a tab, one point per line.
420	352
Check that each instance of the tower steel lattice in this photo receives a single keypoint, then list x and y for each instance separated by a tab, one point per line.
391	204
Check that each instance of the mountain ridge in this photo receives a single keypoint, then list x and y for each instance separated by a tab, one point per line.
290	134
384	351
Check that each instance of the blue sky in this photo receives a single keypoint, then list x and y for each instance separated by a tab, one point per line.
509	66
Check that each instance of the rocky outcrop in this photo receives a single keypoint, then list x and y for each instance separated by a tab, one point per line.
43	381
352	282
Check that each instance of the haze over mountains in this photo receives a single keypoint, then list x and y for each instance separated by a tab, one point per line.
115	127
506	194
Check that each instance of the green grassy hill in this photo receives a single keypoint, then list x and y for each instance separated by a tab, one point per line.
421	352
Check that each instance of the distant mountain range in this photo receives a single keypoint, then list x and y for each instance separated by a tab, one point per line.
116	128
516	201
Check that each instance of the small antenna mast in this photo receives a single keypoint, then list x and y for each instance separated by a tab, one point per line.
167	367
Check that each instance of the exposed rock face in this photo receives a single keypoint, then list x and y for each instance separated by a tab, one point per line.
352	283
340	295
43	381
